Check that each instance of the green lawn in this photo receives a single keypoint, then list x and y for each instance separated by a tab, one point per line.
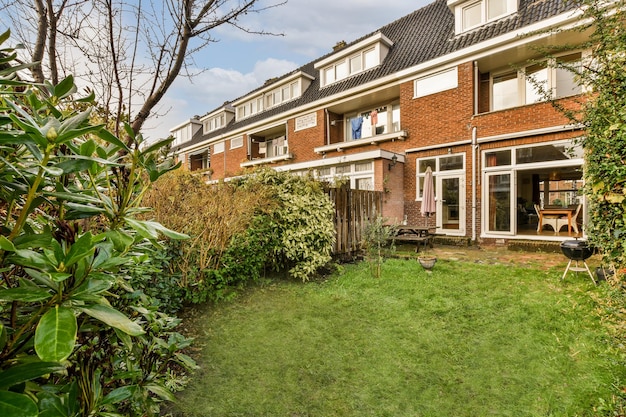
466	340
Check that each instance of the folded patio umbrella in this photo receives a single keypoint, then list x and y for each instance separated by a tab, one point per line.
428	197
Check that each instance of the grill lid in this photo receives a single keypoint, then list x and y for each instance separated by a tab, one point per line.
574	244
576	249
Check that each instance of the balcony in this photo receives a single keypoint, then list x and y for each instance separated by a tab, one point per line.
372	140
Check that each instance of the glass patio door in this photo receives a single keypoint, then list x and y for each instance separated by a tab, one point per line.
450	204
499	198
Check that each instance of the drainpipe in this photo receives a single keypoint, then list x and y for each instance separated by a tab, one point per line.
476	87
474	179
474	150
327	127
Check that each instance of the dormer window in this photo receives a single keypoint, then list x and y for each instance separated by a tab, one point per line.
272	95
184	133
472	14
352	60
213	123
217	120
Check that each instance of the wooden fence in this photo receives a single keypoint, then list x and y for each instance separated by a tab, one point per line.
353	210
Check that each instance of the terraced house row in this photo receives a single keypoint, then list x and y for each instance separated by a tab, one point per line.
447	87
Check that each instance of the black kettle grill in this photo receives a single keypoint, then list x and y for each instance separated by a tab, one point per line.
577	250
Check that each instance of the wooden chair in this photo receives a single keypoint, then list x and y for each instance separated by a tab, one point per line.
550	219
562	221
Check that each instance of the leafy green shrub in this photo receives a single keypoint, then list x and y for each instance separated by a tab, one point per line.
75	337
302	222
152	274
601	112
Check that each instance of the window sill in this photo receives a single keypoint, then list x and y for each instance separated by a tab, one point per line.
271	160
373	140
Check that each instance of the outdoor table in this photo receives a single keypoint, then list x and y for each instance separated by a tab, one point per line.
565	211
417	234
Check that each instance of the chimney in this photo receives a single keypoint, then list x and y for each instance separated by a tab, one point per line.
339	45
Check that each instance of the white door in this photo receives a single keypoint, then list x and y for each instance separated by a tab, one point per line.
450	204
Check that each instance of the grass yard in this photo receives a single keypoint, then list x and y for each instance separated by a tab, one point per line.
468	339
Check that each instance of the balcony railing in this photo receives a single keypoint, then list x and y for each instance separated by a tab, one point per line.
270	160
372	140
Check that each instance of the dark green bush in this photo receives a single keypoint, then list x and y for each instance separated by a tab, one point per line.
302	221
76	338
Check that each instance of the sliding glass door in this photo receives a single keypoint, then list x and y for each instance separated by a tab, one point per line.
499	202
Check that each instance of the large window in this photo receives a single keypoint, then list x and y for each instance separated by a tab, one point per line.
214	123
354	59
276	147
441	165
472	15
520	180
199	160
269	143
505	91
537	82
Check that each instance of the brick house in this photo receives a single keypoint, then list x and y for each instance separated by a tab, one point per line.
444	87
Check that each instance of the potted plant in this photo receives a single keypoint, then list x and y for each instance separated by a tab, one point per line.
427	261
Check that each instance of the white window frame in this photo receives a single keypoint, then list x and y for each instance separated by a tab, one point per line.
218	148
342	69
236	142
350	175
369	53
524	84
513	167
437	170
386	120
447	79
460	6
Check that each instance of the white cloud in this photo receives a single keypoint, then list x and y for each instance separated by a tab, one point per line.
312	28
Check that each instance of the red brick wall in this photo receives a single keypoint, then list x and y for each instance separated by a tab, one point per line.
440	117
234	157
435	119
302	142
391	182
518	119
218	163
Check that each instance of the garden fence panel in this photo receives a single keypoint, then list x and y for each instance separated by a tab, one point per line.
353	210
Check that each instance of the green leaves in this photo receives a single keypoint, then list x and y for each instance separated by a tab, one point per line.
55	336
29	294
79	250
27	371
69	192
17	405
151	230
113	318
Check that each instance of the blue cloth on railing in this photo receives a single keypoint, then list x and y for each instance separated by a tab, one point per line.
356	123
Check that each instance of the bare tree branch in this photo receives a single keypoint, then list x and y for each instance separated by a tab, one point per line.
101	42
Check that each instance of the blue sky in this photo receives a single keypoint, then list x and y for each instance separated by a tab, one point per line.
241	62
